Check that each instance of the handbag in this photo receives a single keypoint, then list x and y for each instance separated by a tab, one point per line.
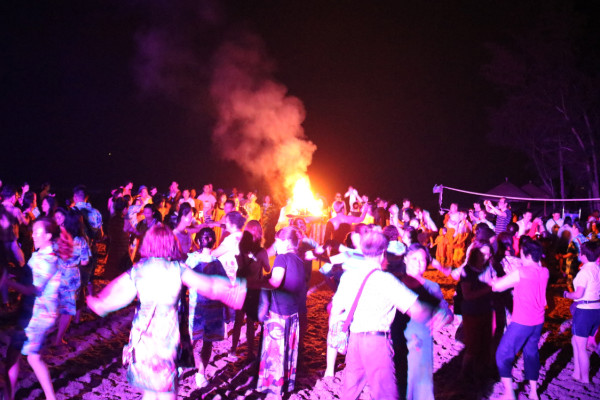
339	333
129	348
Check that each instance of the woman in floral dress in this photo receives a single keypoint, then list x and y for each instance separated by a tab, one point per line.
156	280
74	274
39	284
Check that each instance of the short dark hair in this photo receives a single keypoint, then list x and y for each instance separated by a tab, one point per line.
236	219
391	232
591	250
206	238
533	249
80	191
8	191
417	247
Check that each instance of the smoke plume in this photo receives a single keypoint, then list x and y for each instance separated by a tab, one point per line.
259	125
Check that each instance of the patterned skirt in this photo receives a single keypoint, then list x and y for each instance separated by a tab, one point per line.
279	355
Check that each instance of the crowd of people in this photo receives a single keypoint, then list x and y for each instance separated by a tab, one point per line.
195	262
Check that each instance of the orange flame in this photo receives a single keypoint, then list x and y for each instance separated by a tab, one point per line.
303	199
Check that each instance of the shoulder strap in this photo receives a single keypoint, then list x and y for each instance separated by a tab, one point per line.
348	321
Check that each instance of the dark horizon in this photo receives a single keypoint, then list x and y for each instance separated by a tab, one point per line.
393	94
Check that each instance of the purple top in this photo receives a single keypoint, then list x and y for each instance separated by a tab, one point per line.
530	295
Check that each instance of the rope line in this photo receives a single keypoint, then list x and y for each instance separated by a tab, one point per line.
442	187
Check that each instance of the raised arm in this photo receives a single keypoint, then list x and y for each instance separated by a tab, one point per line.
356	220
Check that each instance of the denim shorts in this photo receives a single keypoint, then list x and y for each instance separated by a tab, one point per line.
586	322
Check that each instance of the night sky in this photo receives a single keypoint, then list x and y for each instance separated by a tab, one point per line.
99	92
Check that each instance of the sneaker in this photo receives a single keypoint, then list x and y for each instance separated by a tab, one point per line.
201	380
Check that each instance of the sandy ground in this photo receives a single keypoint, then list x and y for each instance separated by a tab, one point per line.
89	367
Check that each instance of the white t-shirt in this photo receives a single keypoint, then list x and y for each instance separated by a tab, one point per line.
231	245
588	277
382	294
208	202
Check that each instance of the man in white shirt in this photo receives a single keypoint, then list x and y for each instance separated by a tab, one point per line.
555	220
524	224
208	201
370	328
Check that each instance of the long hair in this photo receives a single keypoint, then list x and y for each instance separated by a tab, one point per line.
252	238
160	242
74	223
475	258
51	201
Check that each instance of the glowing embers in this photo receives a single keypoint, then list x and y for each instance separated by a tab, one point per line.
303	199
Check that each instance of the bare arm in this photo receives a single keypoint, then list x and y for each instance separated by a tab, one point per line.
17	253
116	295
216	287
350	219
577	294
276	277
219	251
508	281
494	210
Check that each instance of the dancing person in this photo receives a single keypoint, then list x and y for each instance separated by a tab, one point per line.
279	354
340	226
369	359
477	313
38	308
529	282
48	206
75	275
156	280
92	220
118	259
206	323
418	335
586	319
253	263
186	227
503	262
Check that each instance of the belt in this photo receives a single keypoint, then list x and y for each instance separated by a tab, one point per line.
372	333
587	301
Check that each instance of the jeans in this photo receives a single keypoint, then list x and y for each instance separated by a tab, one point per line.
515	338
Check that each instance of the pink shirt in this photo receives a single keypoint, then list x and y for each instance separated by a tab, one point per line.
529	297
